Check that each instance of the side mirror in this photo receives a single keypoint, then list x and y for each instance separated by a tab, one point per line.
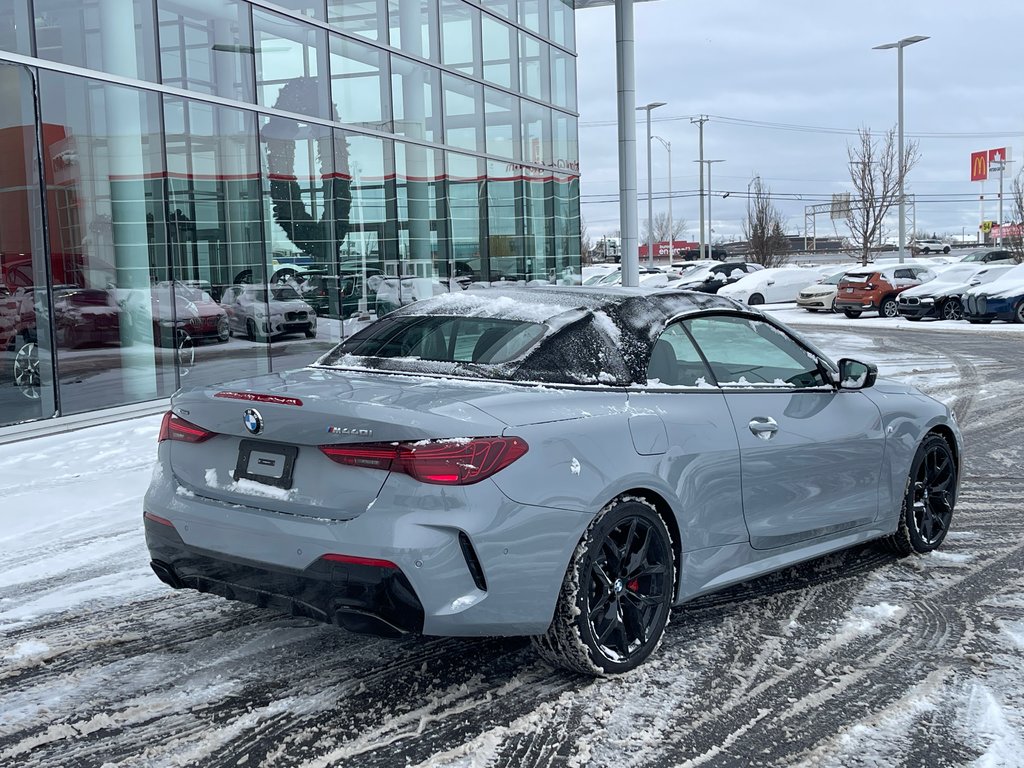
709	279
975	281
853	374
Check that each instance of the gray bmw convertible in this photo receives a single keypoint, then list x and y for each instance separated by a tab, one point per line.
563	463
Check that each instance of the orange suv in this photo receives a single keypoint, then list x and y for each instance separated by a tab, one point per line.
876	289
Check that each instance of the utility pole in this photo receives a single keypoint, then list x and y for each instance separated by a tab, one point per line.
700	125
671	238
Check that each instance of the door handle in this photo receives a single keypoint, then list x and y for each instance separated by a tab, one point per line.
764	427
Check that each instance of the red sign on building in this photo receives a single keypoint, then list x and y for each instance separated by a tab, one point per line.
979	166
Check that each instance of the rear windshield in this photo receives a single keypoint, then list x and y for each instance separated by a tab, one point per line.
858	277
486	341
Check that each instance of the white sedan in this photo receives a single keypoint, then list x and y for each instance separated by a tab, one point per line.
770	286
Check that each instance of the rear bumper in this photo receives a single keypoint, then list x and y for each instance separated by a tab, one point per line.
361	598
862	305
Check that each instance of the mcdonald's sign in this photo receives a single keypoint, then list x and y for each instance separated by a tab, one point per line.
979	166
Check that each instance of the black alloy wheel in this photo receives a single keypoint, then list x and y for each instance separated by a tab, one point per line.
617	594
929	499
888	307
952	309
755	299
1018	312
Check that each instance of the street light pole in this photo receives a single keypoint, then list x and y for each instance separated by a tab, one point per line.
671	238
899	45
708	163
700	159
749	185
650	200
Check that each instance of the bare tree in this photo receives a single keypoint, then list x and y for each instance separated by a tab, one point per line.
764	228
1016	241
661	233
875	171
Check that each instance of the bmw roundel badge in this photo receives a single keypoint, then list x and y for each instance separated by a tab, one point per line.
253	421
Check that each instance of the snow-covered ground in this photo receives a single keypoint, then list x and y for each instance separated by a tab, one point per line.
790	314
853	659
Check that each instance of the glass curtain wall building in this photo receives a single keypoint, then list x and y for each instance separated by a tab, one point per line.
196	190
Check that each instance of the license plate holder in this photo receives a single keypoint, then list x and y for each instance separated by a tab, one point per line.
267	463
849	290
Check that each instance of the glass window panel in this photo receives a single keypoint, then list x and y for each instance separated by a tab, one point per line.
314	9
413	26
533	14
291	61
506	8
114	37
215	235
466	204
463	113
307	192
25	349
563	23
536	120
359	83
367	18
417	99
533	67
538	229
419	174
500	53
566	145
502	123
369	249
103	148
504	222
206	46
460	37
15	27
563	79
566	210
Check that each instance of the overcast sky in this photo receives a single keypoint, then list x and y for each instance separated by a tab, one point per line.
805	63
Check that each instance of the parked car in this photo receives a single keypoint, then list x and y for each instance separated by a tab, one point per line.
989	256
876	289
615	278
86	317
941	298
263	312
1002	299
769	286
682	267
710	252
821	296
484	491
181	309
712	277
929	246
593	273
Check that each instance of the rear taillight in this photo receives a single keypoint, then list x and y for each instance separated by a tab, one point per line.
176	428
440	462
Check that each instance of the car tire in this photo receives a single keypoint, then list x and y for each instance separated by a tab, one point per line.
952	309
310	332
852	313
1018	312
888	307
250	330
755	299
946	249
811	309
607	620
25	369
925	250
928	500
223	330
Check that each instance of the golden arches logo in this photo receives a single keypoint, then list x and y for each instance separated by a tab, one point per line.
979	166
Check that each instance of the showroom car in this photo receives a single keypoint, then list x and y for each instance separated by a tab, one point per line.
876	289
940	298
1002	299
560	463
264	312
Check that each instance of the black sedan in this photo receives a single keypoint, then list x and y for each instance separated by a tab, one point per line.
941	298
709	279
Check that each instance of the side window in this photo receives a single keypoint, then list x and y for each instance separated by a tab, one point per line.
905	274
675	362
752	353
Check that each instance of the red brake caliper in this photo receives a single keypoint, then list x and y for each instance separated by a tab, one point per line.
634	585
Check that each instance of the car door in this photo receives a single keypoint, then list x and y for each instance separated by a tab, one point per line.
810	453
681	417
